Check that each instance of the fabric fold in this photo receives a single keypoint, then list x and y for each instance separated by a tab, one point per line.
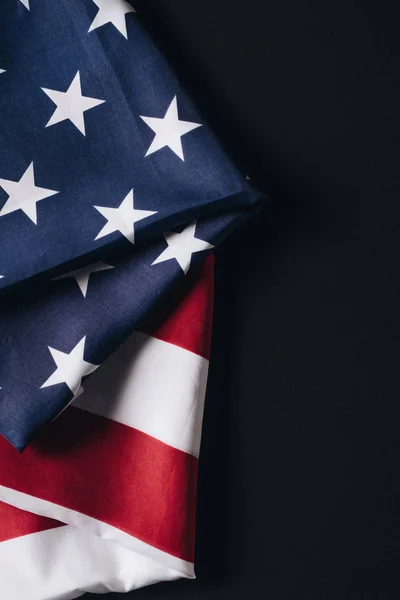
113	508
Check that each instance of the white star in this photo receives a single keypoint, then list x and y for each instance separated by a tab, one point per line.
112	11
82	275
23	194
169	130
71	104
181	246
26	4
71	368
123	218
2	71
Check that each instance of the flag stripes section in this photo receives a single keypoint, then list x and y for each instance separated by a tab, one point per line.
16	523
125	482
114	473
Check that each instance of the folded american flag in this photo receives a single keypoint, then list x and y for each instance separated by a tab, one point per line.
111	187
119	467
113	191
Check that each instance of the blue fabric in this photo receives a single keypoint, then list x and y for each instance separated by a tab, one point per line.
44	47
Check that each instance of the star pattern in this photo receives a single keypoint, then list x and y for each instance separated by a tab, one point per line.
108	151
169	130
24	194
181	246
112	11
123	218
71	104
71	368
82	275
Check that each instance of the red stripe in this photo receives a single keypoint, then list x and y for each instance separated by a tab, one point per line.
185	319
15	522
113	473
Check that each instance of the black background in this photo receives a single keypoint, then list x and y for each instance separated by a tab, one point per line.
299	491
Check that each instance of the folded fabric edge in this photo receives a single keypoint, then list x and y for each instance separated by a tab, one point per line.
64	562
95	527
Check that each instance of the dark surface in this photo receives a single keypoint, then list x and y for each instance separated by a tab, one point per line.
299	492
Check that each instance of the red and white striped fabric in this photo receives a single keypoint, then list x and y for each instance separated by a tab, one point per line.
110	485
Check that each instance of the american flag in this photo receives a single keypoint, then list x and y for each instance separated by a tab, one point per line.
111	187
110	486
113	190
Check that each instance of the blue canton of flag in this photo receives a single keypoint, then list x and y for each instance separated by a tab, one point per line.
111	188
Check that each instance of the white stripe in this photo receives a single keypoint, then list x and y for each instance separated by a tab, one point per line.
64	563
96	528
153	386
